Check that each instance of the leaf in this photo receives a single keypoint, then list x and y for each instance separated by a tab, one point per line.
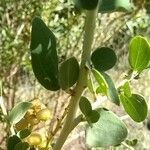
18	112
103	87
44	55
22	146
24	133
126	89
108	6
108	131
135	106
85	106
113	93
103	58
139	53
12	141
132	142
93	116
90	85
68	73
86	4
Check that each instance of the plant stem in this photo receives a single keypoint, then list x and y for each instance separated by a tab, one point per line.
82	81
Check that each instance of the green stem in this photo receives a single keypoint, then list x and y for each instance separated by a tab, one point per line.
82	81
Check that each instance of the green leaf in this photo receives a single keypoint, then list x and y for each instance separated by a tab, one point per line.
24	133
108	131
86	4
18	112
44	55
103	58
139	53
131	142
93	116
112	91
22	146
108	6
12	141
103	87
68	73
90	85
85	106
135	106
126	89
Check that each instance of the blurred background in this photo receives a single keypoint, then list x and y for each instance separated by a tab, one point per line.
67	22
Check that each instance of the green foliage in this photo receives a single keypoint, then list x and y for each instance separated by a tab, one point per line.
68	73
44	55
132	142
103	87
90	85
18	112
86	4
106	6
115	5
24	133
126	89
22	146
92	116
103	58
135	106
108	131
85	106
12	142
139	53
112	91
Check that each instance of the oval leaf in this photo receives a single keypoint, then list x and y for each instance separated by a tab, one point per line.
139	53
22	146
68	73
12	141
114	5
103	58
18	112
103	87
44	56
85	106
113	93
135	106
126	89
86	4
93	116
108	131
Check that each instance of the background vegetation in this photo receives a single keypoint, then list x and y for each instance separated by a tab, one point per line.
114	30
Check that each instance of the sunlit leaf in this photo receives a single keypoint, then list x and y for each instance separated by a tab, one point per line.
135	106
126	89
112	91
139	53
103	87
